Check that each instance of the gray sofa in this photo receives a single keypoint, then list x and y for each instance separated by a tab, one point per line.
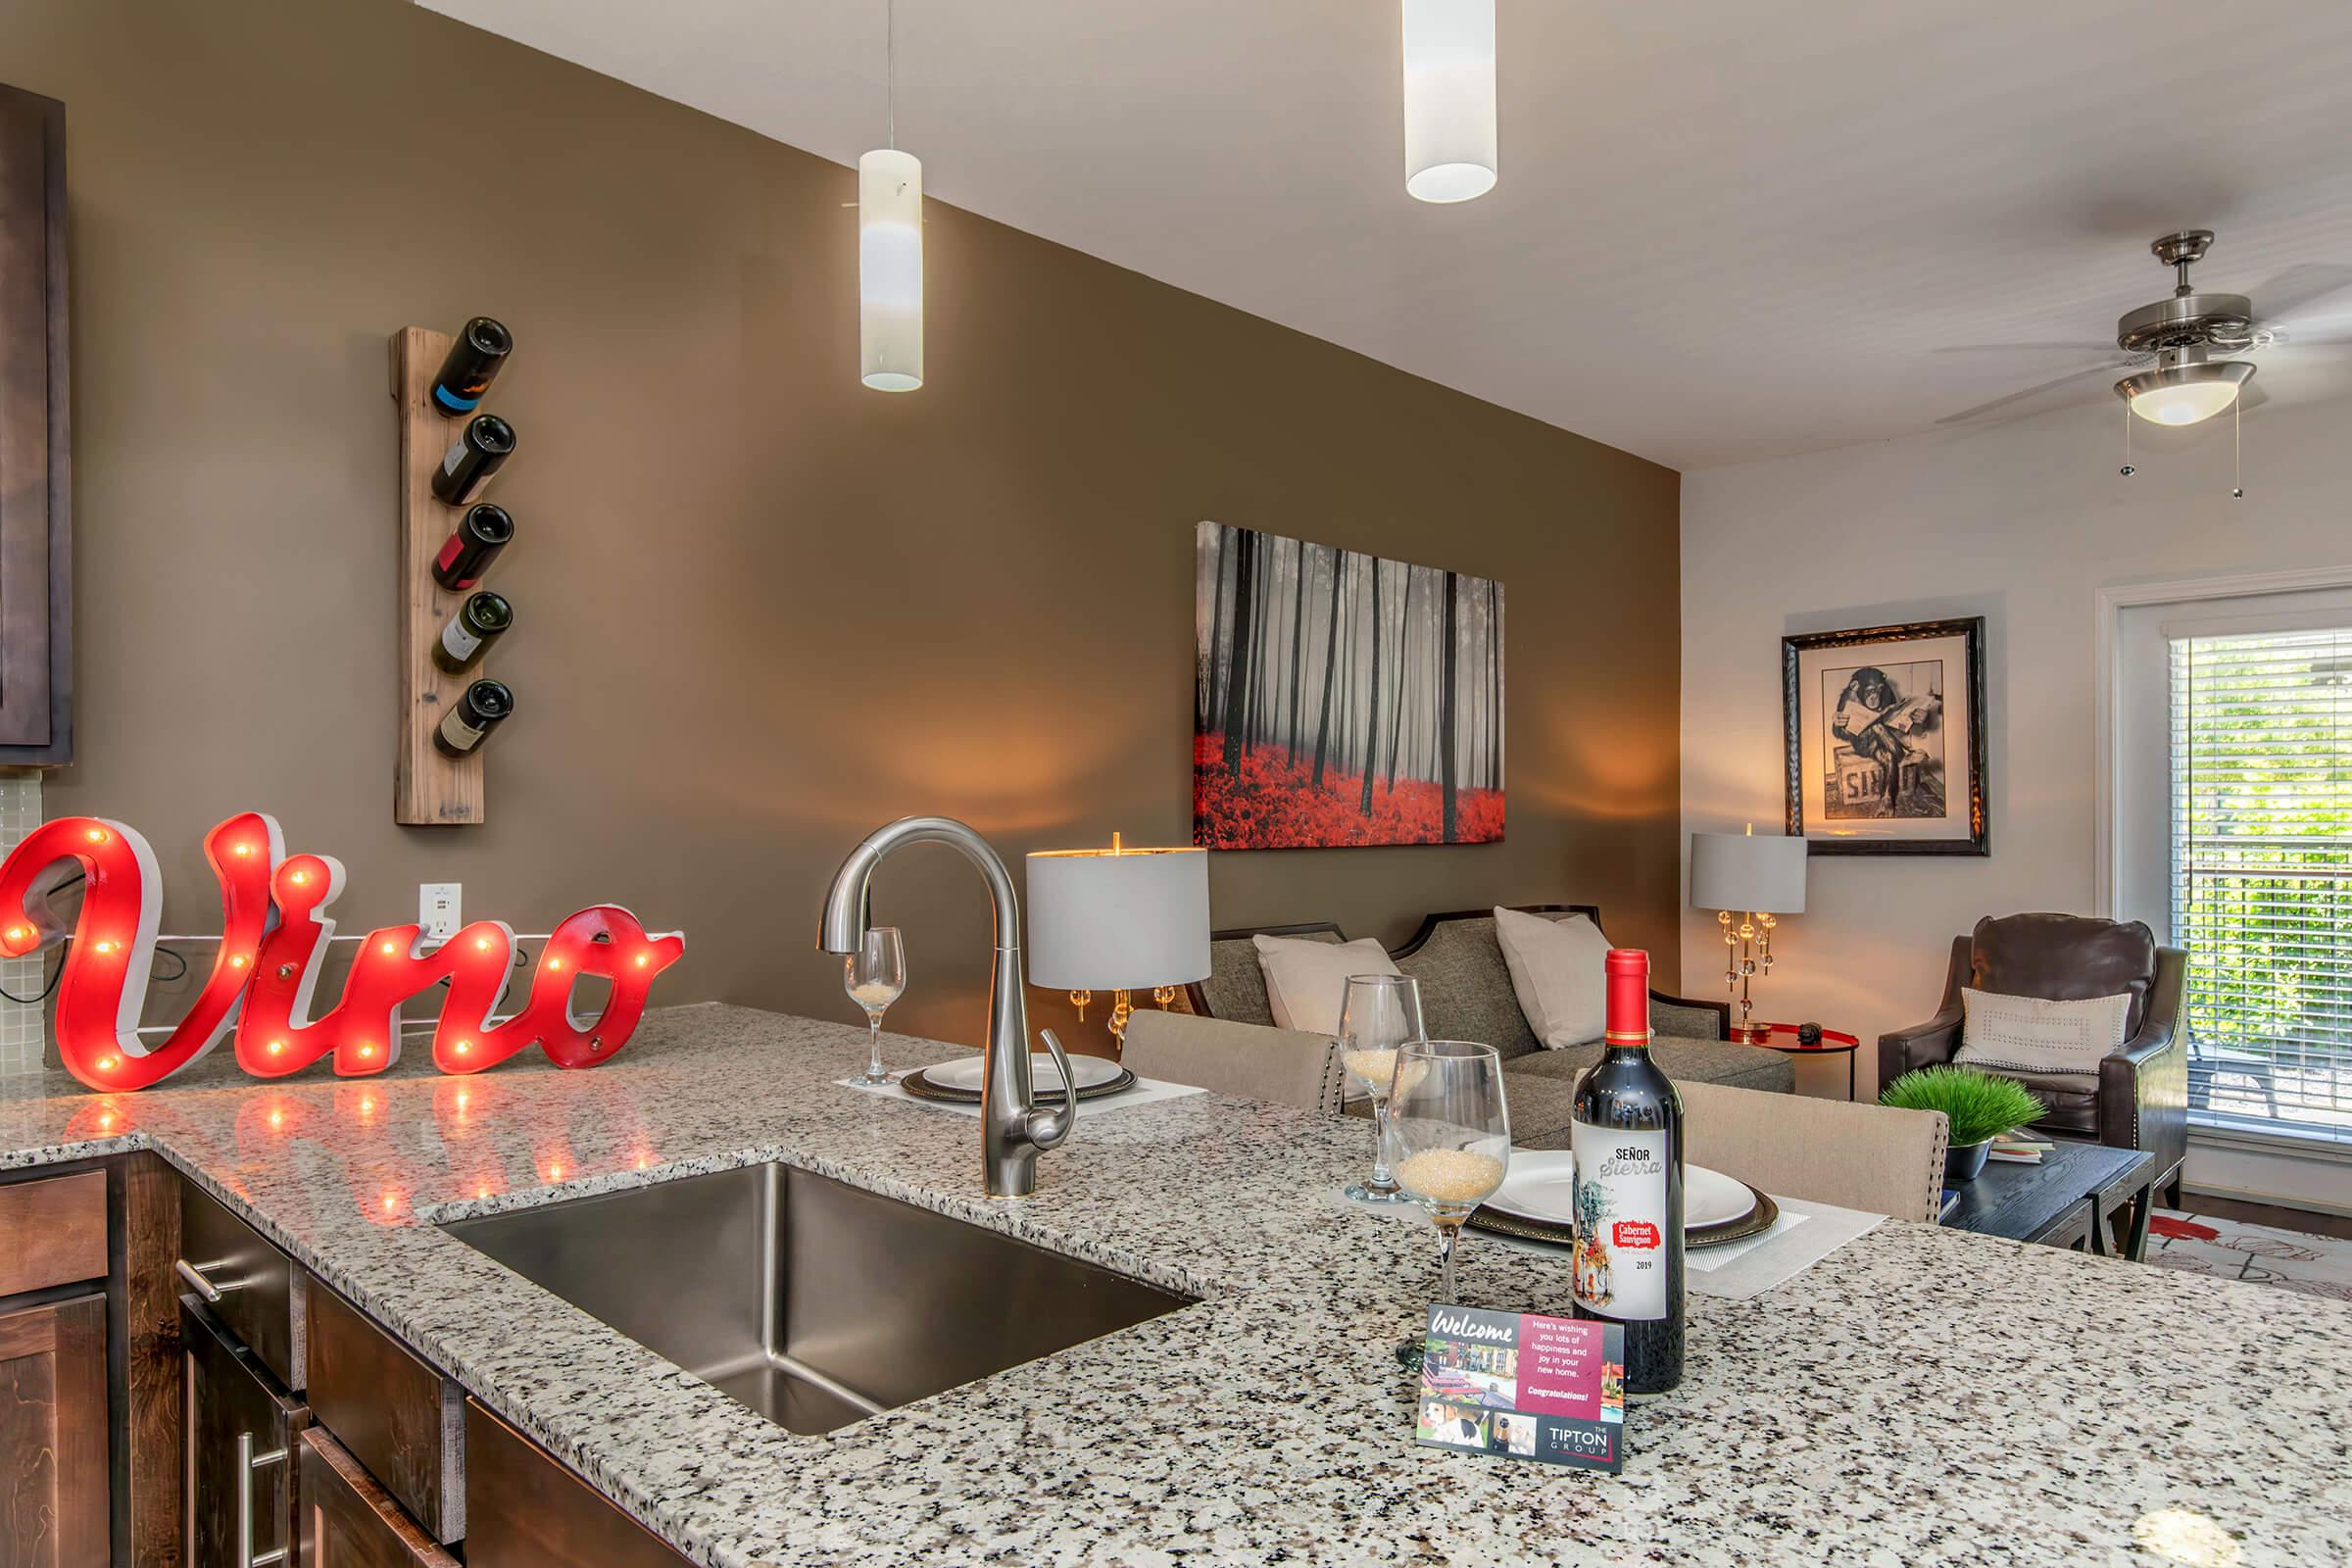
1466	995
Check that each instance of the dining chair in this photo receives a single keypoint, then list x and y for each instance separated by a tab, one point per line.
1871	1157
1283	1066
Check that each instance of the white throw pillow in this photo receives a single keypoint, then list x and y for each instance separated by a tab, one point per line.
1308	981
1559	970
2046	1038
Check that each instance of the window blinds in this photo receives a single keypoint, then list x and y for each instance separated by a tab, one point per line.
2261	883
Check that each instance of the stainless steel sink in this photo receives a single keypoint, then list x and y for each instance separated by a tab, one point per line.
814	1302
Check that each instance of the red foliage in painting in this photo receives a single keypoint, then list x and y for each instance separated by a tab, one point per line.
1273	805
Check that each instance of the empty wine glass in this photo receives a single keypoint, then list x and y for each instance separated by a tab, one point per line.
1380	1014
875	976
1452	1133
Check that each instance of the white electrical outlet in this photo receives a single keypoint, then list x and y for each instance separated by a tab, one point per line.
440	907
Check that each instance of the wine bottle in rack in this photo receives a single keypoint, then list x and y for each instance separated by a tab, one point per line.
472	363
1626	1128
480	709
486	442
468	635
466	554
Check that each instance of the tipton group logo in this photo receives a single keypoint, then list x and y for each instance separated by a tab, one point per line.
274	934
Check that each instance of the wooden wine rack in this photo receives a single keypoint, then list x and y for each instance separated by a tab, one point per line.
429	789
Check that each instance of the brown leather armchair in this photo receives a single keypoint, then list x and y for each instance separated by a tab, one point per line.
2142	1096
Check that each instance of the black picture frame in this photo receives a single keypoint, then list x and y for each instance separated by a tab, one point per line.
1971	630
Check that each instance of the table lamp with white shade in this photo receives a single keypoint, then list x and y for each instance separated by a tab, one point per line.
1748	880
1120	920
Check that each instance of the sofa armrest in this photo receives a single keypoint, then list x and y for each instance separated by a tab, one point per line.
1922	1045
1689	1019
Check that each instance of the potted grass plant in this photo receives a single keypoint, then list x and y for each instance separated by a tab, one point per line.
1979	1107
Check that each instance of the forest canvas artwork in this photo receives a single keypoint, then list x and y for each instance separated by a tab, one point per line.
1340	699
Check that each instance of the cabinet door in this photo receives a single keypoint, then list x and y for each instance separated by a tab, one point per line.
238	1484
53	1476
349	1521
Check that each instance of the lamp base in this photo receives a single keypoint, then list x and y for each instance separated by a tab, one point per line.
1749	1034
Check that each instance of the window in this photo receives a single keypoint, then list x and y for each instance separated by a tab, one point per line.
2260	880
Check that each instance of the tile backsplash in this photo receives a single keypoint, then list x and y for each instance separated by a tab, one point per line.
24	1026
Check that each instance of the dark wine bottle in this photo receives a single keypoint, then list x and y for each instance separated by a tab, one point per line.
469	635
486	442
481	533
473	363
1626	1127
480	709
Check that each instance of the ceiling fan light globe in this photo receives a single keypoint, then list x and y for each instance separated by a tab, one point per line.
2184	394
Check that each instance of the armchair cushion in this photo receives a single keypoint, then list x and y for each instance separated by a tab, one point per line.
2065	958
2037	1041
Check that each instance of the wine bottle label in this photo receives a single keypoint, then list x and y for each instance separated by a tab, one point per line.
457	642
448	557
457	455
460	734
1620	1221
449	400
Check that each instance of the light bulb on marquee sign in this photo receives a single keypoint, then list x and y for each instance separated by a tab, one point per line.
265	971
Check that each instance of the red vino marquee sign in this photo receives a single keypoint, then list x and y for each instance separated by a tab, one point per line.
273	930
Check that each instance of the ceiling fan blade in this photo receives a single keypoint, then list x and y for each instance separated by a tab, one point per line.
1982	408
2291	290
2087	346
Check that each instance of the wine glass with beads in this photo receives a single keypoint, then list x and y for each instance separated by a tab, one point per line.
1452	1134
875	976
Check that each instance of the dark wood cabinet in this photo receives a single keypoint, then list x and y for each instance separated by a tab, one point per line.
36	540
524	1510
52	1450
238	1432
349	1521
397	1416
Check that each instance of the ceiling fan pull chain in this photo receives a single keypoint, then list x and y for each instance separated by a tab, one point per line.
2237	469
2127	469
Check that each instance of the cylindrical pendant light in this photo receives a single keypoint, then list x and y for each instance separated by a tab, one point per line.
1450	137
890	269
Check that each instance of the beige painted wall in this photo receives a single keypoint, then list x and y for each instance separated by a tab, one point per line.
2021	524
759	609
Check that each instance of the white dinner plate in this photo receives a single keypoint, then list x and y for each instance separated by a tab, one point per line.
964	1072
1540	1185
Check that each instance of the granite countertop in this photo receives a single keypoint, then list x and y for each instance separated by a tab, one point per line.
1919	1397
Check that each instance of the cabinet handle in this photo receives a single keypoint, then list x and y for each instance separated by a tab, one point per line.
248	1463
209	1293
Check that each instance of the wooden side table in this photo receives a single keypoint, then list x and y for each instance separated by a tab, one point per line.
1782	1037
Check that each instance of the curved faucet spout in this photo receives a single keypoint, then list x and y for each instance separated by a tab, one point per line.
1011	1127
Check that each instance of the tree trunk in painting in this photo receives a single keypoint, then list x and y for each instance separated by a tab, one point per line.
1237	677
1446	713
1494	685
1404	646
1297	639
1331	665
1216	634
1372	726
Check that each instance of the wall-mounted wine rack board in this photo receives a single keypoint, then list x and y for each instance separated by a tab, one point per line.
430	788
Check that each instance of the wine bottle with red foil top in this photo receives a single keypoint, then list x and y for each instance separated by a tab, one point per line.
1626	1128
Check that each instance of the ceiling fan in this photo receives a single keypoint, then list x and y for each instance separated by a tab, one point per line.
2180	352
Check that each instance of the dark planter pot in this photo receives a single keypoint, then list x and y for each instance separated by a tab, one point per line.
1965	1162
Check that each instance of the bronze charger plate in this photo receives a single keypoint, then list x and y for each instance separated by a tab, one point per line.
1756	1222
917	1083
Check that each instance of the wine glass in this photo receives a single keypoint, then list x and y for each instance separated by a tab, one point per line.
1452	1133
1381	1012
875	976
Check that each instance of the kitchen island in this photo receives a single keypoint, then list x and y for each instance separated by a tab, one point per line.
1918	1397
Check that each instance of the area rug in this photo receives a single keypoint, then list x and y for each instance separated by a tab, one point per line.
2200	1243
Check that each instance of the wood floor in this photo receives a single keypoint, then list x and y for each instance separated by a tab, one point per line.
2308	1221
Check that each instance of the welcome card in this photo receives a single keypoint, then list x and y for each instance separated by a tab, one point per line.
1524	1386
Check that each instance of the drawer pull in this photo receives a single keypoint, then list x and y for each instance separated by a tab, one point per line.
248	1463
205	1289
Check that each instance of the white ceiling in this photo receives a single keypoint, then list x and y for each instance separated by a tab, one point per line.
1724	230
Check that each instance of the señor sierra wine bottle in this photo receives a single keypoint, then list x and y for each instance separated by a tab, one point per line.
481	533
1626	1128
473	363
469	632
486	442
478	710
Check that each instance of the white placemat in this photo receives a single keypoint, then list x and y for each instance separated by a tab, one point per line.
1803	1234
1147	1092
